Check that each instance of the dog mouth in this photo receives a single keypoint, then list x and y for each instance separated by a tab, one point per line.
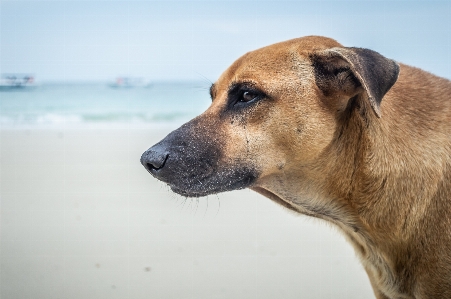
197	173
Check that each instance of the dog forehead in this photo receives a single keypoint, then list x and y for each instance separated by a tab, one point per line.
263	67
267	63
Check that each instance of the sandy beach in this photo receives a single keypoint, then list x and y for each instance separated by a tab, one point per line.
81	218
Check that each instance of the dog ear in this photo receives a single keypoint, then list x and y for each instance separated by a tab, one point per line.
349	70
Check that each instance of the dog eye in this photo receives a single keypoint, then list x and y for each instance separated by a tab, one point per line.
248	96
242	95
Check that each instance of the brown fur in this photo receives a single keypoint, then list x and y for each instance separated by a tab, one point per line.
386	182
378	168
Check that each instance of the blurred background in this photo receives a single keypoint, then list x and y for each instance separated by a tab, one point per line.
87	86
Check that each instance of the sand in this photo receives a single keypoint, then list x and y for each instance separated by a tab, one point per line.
81	218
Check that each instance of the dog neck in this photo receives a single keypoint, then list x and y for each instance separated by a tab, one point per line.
355	185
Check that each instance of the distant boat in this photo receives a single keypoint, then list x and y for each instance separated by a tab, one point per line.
129	82
12	81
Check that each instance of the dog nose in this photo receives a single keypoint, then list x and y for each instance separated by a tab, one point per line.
154	158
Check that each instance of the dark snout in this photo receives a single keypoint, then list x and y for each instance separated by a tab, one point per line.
184	159
191	161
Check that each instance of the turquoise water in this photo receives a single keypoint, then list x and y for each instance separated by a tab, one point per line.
98	103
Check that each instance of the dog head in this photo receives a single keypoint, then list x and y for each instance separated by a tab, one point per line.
274	110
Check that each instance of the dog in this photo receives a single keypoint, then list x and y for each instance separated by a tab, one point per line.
339	133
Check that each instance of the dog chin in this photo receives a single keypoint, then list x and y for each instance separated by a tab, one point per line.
190	193
199	190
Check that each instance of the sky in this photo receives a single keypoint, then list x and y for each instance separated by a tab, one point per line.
197	40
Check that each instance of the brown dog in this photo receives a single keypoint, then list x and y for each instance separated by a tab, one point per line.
342	134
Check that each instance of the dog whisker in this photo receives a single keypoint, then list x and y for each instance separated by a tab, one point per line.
219	204
208	81
206	208
197	205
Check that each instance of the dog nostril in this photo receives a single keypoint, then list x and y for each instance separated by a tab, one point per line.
153	160
150	167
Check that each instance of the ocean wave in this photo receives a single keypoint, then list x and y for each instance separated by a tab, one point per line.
112	117
30	119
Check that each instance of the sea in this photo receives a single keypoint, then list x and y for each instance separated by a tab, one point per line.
80	105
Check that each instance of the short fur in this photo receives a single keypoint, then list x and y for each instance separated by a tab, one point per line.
342	134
